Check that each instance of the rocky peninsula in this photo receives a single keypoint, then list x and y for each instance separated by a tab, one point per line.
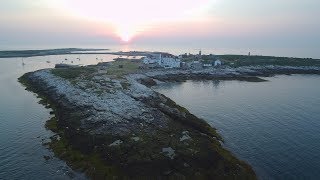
110	124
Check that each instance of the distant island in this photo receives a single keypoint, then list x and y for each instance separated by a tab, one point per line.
109	123
45	52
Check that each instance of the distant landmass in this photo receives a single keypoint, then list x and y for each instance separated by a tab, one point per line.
45	52
227	59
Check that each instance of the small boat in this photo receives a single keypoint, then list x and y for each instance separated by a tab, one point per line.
48	61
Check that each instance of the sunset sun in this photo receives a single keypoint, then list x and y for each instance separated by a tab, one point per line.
130	18
125	32
125	37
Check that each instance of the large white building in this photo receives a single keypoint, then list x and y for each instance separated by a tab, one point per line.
163	60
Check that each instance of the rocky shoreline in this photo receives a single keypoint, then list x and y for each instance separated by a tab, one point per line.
246	73
112	126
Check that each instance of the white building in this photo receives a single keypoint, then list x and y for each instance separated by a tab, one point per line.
207	65
163	60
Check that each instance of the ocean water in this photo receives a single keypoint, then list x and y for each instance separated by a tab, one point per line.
273	125
22	120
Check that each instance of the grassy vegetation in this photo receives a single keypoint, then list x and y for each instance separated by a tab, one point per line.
91	164
72	73
52	125
24	80
204	58
117	68
188	59
241	60
120	68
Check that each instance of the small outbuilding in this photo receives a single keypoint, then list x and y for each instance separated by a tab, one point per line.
207	65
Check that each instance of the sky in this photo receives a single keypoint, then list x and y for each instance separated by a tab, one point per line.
269	27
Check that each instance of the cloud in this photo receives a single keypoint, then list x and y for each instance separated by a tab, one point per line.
227	23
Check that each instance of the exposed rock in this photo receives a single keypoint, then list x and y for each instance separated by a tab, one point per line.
185	136
116	143
169	152
135	139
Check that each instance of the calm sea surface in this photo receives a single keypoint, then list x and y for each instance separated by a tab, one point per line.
274	125
22	122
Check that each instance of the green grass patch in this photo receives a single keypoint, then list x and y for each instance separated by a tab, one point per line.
120	68
72	73
91	164
52	125
241	60
24	80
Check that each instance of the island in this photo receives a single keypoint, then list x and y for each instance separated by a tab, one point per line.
47	52
111	124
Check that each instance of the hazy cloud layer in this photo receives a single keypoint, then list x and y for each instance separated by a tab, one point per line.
215	23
